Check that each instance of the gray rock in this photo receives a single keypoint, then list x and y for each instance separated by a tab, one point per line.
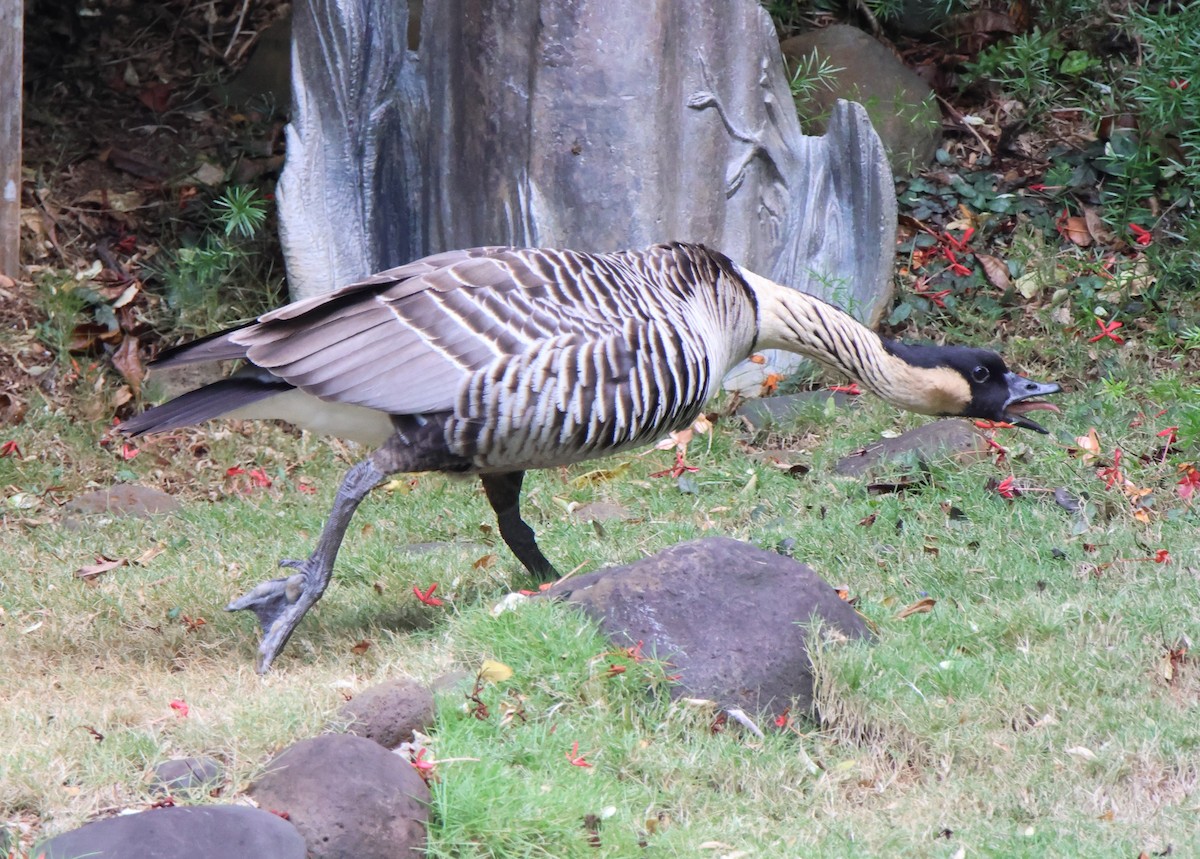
453	682
348	796
167	382
901	105
731	618
948	439
601	511
126	499
389	712
192	832
771	411
920	17
183	775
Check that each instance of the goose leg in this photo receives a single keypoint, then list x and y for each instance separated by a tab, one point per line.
281	603
418	444
504	494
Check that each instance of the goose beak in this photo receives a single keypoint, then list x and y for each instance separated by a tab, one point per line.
1021	393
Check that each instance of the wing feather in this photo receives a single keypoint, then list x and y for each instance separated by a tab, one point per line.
406	341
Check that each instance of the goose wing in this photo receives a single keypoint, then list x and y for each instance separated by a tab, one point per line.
404	341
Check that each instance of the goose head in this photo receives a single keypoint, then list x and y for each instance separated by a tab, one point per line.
969	382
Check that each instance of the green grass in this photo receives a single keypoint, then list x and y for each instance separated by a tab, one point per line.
1028	713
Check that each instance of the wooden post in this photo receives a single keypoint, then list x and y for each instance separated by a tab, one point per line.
11	35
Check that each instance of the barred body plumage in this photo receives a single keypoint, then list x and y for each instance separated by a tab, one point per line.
497	360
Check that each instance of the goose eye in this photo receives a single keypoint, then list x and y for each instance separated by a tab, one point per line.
980	374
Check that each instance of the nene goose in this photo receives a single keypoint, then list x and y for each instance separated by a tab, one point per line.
495	360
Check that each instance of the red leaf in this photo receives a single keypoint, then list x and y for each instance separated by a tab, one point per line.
574	758
427	597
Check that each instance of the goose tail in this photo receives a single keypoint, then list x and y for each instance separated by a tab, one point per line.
211	401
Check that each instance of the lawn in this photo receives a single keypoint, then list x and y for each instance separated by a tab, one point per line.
1044	706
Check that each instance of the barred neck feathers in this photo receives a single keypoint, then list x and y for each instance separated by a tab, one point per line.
791	320
699	293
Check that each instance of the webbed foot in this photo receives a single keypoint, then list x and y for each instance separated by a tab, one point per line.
280	604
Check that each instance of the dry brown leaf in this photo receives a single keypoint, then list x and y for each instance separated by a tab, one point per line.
129	294
1075	228
1089	444
1096	227
102	566
150	554
12	410
115	201
982	21
484	562
1166	666
995	270
129	363
677	440
921	606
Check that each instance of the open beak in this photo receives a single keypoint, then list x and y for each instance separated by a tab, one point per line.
1021	394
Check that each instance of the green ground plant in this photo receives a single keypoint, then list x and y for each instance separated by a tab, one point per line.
1042	707
224	276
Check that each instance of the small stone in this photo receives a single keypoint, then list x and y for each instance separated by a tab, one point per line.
600	511
182	775
348	796
902	106
948	439
732	619
453	682
389	712
772	411
126	499
187	832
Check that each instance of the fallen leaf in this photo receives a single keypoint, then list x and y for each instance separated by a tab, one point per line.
484	562
677	440
128	362
12	410
494	672
113	201
600	475
157	97
22	501
102	566
1066	500
1081	752
150	554
1096	226
1089	444
1075	228
1166	666
995	270
921	606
